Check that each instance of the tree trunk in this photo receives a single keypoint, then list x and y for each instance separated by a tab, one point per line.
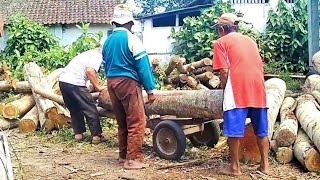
18	107
316	62
1	109
30	121
284	154
309	117
175	79
21	86
214	82
312	83
199	64
5	86
202	70
201	87
205	77
305	152
288	130
190	103
275	94
8	124
180	67
106	113
46	108
48	95
172	65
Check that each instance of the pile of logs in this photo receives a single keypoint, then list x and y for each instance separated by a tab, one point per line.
36	108
194	76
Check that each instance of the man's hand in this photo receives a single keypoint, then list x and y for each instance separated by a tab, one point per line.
151	99
100	88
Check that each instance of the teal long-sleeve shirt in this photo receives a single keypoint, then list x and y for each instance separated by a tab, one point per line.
124	56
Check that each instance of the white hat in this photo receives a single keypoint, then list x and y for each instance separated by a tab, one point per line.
122	14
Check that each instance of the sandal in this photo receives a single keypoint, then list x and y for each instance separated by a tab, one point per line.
101	139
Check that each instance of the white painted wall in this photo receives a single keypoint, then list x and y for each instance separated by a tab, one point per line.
66	33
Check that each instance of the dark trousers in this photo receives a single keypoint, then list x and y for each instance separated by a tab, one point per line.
81	104
128	106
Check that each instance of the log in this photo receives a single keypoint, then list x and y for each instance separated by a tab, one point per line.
181	103
175	79
249	150
5	86
21	86
191	82
1	109
47	110
316	95
205	77
201	86
18	107
284	155
106	113
214	82
199	64
8	124
316	62
172	65
305	152
312	83
30	121
288	129
202	70
309	117
275	89
48	95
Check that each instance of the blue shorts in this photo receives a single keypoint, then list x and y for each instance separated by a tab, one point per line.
235	121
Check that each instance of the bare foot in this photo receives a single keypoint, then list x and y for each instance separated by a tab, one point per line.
121	161
78	137
134	164
229	171
264	169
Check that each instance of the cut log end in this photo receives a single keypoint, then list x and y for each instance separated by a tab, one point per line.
10	112
284	155
27	125
58	120
286	137
312	161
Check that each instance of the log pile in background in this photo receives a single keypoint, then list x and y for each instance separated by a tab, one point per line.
194	76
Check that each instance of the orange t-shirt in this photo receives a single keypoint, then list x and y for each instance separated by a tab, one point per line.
245	84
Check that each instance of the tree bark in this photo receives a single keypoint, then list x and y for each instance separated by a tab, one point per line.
5	86
47	110
316	62
312	83
309	117
288	130
199	64
48	95
30	121
205	77
275	94
172	65
8	124
21	86
284	155
18	107
202	70
189	103
305	152
191	82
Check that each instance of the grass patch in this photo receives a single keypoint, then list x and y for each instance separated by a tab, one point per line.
292	84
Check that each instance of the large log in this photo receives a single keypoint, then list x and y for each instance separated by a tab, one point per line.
18	107
49	95
8	124
205	77
199	64
21	86
181	103
309	117
275	95
288	129
202	70
316	62
5	86
172	65
312	83
30	121
305	152
46	108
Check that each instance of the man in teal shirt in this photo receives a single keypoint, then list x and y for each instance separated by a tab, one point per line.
127	69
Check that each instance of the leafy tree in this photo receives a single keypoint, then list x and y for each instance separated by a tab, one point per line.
151	6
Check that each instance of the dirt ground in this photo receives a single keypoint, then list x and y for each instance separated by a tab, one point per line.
39	157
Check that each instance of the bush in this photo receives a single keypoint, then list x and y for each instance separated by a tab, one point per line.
39	46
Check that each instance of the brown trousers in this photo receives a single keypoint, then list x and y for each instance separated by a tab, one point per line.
128	106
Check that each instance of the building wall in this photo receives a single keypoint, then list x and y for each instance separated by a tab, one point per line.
66	34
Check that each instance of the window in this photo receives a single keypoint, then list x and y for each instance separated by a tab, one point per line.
164	21
191	14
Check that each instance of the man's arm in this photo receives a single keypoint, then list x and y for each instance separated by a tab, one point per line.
223	77
92	77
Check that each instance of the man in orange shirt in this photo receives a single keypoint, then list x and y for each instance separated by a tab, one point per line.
237	58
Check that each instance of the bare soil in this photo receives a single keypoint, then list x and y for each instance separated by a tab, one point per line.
39	157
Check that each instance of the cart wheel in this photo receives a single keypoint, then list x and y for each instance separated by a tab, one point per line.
208	137
169	140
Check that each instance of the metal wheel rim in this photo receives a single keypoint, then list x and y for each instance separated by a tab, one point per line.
167	141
